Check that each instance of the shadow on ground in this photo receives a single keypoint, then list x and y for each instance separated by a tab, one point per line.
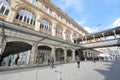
112	72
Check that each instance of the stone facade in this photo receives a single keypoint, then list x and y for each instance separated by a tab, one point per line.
42	16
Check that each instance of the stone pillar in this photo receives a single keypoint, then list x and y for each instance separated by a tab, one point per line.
2	40
2	46
90	54
54	53
33	54
84	53
73	55
65	54
54	28
64	34
71	37
38	20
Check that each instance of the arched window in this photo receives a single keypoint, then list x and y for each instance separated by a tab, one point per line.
58	30
4	7
45	25
32	1
26	16
68	35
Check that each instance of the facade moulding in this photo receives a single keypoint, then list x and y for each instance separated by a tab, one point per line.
12	39
27	7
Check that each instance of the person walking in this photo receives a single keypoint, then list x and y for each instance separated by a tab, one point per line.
10	59
48	60
78	61
16	59
51	62
1	59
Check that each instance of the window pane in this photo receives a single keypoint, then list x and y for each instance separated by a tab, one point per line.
31	21
17	16
21	17
2	9
6	12
28	20
25	19
34	22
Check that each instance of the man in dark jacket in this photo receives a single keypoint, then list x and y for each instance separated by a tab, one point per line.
16	59
1	59
78	61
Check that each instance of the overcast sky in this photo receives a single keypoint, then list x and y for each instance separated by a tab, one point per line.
90	13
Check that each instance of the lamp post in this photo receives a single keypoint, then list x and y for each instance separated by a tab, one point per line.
97	26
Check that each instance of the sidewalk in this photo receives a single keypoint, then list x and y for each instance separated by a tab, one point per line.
18	67
87	71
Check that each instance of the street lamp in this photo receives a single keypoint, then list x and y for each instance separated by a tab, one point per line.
98	25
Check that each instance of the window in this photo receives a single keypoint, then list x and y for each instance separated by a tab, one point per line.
50	11
59	18
4	7
58	30
45	25
46	9
26	16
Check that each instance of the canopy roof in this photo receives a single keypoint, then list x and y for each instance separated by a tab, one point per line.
13	30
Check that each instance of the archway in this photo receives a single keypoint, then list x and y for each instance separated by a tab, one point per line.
69	55
44	53
17	47
59	54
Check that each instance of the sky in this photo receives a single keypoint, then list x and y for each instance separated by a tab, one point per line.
92	15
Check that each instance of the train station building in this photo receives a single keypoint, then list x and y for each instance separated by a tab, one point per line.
37	29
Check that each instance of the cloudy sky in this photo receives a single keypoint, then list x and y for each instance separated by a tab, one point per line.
90	13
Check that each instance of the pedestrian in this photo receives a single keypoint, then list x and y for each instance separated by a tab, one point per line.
94	59
51	62
1	58
16	59
48	60
10	57
78	61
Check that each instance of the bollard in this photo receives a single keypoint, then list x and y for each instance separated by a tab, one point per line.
36	74
59	73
